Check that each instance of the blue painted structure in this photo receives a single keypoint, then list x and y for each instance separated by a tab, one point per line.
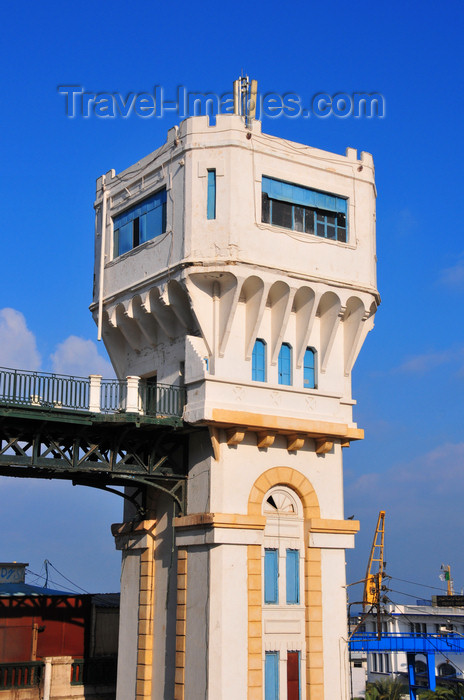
271	576
285	364
271	675
292	576
309	374
411	644
303	196
211	200
258	361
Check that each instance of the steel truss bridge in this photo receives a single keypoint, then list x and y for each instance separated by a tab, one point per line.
93	432
411	644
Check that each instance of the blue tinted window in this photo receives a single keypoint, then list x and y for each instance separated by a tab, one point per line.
296	194
285	364
271	676
123	237
152	224
300	208
309	369
140	223
258	361
271	576
211	205
293	576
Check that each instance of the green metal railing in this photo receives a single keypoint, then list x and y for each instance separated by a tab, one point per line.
113	395
25	388
60	391
20	674
161	399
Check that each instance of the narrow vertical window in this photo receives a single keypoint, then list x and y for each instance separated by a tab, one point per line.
293	576
309	369
211	205
285	364
293	675
258	361
271	676
271	576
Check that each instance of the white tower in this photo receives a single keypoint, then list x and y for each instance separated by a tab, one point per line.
241	266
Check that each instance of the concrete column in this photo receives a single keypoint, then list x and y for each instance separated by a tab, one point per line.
57	678
145	623
217	608
132	401
94	397
47	679
181	624
135	652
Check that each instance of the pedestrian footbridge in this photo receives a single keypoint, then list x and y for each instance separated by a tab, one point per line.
411	644
96	432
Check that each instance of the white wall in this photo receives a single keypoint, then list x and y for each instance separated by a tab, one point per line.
207	289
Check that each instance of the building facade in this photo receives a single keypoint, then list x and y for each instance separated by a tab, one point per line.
241	267
55	645
418	621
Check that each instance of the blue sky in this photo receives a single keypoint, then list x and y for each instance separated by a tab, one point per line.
409	378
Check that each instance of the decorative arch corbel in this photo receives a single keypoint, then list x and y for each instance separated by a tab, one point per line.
352	327
329	312
280	300
254	293
153	304
304	304
119	318
177	299
357	326
145	321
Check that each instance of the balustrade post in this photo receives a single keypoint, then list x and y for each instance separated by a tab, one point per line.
47	678
95	393
132	405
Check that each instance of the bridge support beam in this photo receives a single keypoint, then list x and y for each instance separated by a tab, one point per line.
431	680
411	658
432	683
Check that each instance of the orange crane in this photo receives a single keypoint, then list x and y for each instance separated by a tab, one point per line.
373	580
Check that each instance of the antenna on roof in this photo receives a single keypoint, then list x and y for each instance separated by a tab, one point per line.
245	97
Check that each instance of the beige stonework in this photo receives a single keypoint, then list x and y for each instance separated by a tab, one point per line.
181	623
146	612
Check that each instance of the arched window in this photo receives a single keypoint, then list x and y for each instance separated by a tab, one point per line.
258	361
285	364
446	670
279	503
309	369
283	599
